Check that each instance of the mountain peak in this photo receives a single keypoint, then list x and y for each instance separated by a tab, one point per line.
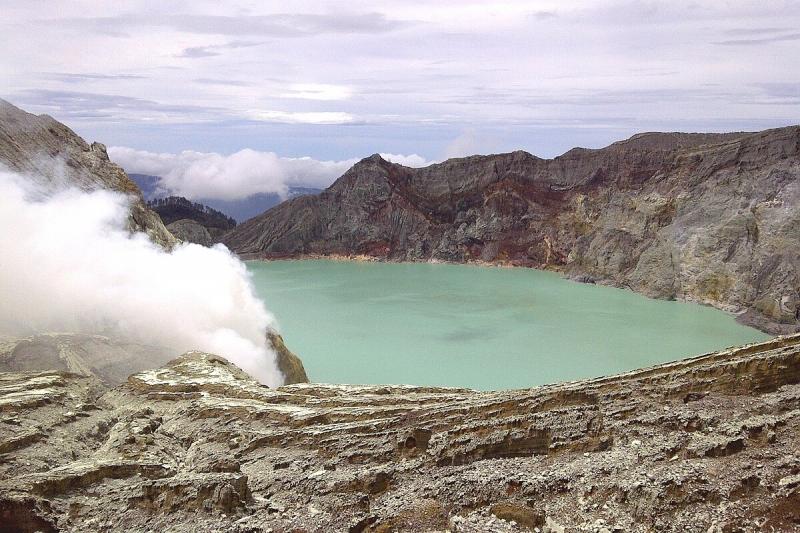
375	158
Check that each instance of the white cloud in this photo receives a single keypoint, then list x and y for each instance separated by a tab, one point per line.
229	177
318	91
468	143
238	175
412	160
286	117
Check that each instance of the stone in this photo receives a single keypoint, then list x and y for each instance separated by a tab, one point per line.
517	513
789	481
551	526
289	364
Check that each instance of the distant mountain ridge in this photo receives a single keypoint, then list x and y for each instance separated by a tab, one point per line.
173	208
251	206
240	209
148	185
192	221
713	218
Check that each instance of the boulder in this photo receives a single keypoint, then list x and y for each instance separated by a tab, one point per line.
288	363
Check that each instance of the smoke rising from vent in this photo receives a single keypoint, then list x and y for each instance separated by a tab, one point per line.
68	263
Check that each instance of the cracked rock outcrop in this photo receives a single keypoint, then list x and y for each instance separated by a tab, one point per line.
713	218
704	444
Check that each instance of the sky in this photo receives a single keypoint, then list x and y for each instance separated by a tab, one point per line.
203	91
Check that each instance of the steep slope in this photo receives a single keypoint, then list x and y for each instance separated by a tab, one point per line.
46	150
706	217
708	444
189	230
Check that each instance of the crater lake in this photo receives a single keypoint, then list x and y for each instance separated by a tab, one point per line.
477	327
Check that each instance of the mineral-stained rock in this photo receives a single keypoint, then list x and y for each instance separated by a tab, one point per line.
713	218
198	445
53	155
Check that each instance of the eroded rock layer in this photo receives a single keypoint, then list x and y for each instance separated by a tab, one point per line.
707	217
704	444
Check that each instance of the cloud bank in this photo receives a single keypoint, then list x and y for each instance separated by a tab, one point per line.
197	175
332	80
69	264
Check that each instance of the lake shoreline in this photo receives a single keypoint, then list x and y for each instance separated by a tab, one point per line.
482	328
744	316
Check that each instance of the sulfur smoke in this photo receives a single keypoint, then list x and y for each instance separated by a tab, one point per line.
68	263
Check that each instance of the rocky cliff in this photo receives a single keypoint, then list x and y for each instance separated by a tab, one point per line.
51	153
708	217
708	444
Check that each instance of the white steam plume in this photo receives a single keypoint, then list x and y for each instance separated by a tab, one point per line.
67	263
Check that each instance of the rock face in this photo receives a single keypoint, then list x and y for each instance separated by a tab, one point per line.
704	444
46	150
707	217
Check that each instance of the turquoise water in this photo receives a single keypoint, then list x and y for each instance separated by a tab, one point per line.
479	327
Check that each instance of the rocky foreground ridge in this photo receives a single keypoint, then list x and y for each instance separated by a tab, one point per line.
708	217
708	444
